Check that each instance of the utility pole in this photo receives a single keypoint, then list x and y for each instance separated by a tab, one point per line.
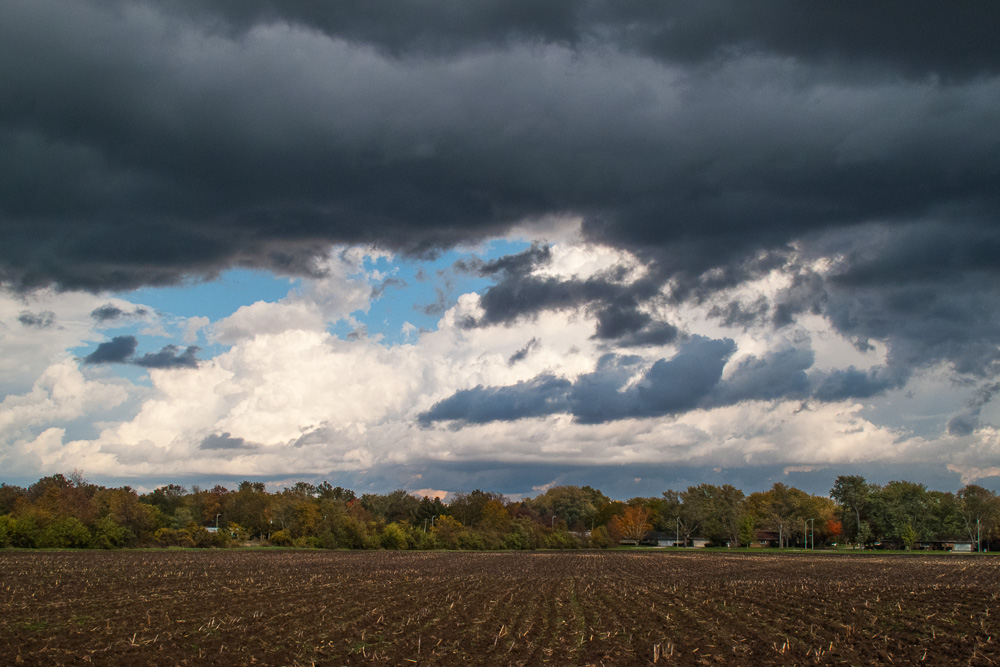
677	531
812	525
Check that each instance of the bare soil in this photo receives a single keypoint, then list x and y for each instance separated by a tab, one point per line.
585	608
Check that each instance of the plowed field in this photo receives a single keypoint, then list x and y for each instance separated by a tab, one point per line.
592	608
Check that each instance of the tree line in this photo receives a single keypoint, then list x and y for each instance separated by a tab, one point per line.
67	511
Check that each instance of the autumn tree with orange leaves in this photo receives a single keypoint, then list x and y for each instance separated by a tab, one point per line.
632	524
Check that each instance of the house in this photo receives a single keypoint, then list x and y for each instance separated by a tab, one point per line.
659	538
956	544
766	538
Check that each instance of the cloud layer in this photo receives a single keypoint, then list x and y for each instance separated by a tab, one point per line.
259	133
773	217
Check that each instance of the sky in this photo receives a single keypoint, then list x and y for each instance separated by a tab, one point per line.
506	245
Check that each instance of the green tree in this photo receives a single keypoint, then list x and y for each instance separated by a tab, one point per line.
448	532
123	507
428	509
575	506
908	535
327	492
108	534
66	532
6	529
249	507
394	536
678	517
168	499
979	509
783	509
717	509
747	530
25	532
853	494
468	507
903	510
398	506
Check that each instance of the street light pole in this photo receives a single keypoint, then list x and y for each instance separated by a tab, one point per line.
217	521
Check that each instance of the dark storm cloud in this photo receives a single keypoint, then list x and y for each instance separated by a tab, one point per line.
257	133
121	350
669	386
778	375
627	326
619	388
42	320
518	292
116	351
739	314
107	312
517	264
930	291
169	356
915	37
964	423
616	304
847	383
541	396
967	421
110	312
523	353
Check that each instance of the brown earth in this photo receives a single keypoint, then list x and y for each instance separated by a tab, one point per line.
404	608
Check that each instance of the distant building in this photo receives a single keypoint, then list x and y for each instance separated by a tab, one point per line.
659	538
958	545
766	538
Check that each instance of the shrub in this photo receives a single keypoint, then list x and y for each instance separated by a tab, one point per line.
6	528
166	537
201	537
282	538
25	532
394	537
561	540
66	533
351	534
422	540
447	532
600	538
109	535
471	539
